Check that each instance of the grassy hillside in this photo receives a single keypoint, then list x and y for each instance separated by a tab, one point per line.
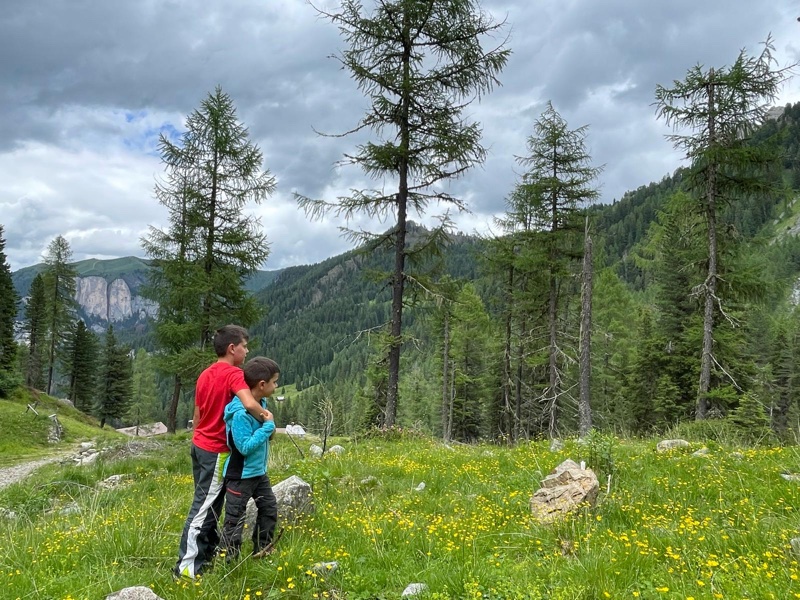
23	433
672	526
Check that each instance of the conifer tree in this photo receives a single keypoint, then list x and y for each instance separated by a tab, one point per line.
115	380
81	362
9	377
59	285
420	63
559	185
35	326
211	244
720	108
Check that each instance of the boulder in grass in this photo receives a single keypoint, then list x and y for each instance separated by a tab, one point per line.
295	499
564	490
667	445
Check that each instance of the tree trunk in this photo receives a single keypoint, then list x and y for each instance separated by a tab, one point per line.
507	421
711	279
173	406
398	279
584	403
447	424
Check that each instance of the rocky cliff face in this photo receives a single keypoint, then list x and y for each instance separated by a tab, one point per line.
111	302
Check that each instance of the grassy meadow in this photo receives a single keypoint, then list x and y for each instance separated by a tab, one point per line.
671	526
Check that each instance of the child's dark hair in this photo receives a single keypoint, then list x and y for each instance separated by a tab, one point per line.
230	334
259	368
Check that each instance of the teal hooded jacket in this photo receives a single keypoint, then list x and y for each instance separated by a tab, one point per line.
248	440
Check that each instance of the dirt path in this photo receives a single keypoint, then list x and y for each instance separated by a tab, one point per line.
9	475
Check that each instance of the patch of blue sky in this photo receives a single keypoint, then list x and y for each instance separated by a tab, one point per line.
132	116
146	140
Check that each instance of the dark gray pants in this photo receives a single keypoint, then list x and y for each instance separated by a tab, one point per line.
200	535
239	491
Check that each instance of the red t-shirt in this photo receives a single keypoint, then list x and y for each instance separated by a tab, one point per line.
216	386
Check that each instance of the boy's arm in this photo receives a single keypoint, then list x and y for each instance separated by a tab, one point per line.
253	406
248	441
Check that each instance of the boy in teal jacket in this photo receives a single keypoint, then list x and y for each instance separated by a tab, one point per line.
246	467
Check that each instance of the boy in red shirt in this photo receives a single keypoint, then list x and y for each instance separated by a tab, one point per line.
216	387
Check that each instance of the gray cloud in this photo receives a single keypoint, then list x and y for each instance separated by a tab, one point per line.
85	89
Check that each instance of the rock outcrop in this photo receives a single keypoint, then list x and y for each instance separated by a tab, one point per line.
110	302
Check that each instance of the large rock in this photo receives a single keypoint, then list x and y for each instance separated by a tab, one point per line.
295	499
564	490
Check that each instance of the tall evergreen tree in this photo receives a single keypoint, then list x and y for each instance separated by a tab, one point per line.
211	245
81	363
115	380
559	185
9	377
721	108
59	284
35	326
420	63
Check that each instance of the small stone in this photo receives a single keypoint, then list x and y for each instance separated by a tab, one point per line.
315	451
420	487
325	568
139	592
414	589
337	449
666	445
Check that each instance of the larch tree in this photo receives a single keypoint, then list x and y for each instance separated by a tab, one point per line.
420	63
59	285
714	112
211	245
559	184
35	325
9	377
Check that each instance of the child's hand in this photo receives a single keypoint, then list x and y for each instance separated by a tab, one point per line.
267	416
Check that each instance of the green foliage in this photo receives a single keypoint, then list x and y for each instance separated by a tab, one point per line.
212	244
36	328
721	108
58	279
718	431
115	390
420	64
145	406
8	312
751	420
599	449
81	363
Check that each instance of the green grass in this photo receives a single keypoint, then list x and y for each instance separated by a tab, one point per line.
23	433
673	526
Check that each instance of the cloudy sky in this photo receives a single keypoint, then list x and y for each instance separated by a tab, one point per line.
87	86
